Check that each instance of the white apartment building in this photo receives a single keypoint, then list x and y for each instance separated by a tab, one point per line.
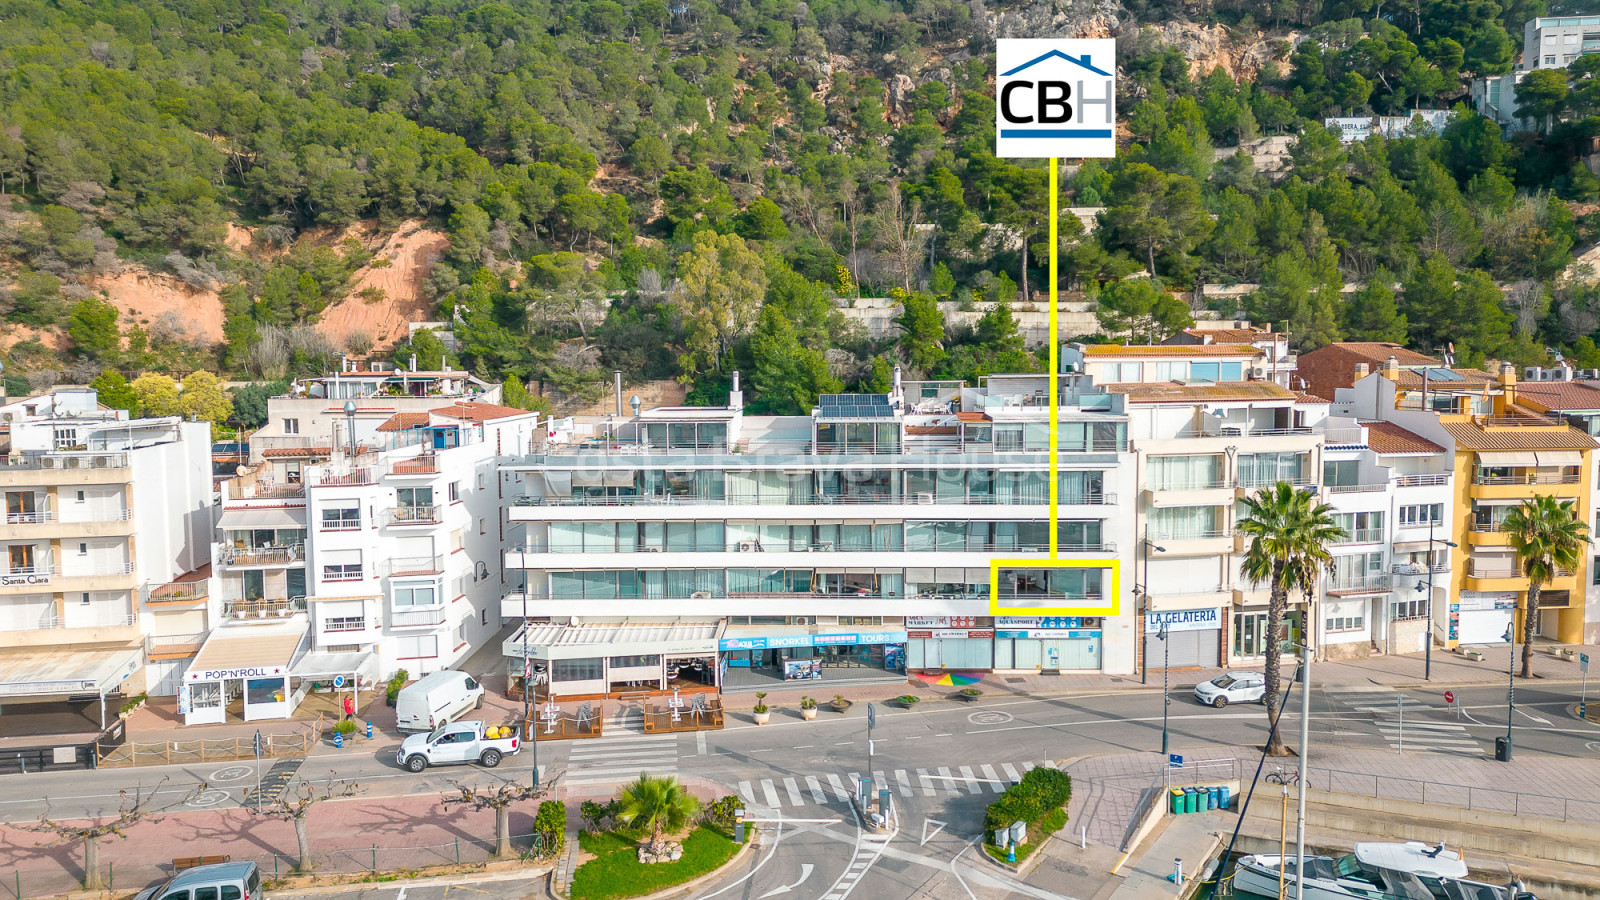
369	545
699	547
1554	42
99	509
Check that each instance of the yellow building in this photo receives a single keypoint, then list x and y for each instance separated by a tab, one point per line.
1510	453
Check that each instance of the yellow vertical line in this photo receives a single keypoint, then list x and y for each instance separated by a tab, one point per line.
1055	367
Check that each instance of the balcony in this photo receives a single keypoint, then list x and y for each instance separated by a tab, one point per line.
31	517
1421	480
1414	569
416	565
1211	542
1355	488
339	525
246	557
264	608
427	464
415	515
38	524
345	479
417	618
867	498
173	646
63	468
272	492
1375	583
1047	599
1525	483
179	593
1487	534
1361	536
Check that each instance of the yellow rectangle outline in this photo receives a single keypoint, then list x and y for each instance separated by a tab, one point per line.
1112	563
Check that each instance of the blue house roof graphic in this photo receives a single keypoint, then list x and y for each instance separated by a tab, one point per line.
1082	62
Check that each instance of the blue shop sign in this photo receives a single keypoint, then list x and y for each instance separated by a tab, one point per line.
810	640
1085	634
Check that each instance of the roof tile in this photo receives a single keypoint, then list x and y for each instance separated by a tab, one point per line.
1388	437
1561	395
1472	436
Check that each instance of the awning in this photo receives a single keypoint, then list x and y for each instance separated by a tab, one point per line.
256	653
629	637
1410	546
1509	458
617	478
323	663
558	484
39	672
1559	457
273	517
588	479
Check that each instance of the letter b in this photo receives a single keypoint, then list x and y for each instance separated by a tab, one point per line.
1053	105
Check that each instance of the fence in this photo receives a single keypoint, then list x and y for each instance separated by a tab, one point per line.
15	760
168	752
1475	798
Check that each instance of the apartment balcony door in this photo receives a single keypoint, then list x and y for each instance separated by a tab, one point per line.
20	506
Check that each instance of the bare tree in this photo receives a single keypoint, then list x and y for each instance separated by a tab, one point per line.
296	806
133	809
358	342
903	236
499	798
1526	300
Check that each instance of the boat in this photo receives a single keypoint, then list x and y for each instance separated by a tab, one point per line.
1375	871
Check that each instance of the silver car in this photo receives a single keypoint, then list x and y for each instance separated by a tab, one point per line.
1234	687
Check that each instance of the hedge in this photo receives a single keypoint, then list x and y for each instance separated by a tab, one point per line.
1040	792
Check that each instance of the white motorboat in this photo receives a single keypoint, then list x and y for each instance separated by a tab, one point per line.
1375	871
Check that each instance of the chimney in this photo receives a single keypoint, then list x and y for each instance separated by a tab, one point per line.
735	396
1391	368
616	383
1362	370
1566	370
413	362
895	386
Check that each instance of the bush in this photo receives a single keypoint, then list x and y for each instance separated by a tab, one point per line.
345	726
761	702
719	814
550	823
808	703
596	815
1040	792
395	684
907	700
134	703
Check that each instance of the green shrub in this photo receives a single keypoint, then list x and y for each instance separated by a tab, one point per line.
550	823
1040	792
345	726
719	814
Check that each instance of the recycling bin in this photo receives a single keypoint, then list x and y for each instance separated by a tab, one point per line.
1222	798
1190	800
1213	797
1502	749
1176	801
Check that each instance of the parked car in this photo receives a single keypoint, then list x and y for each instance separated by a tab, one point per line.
437	700
463	742
221	881
1234	687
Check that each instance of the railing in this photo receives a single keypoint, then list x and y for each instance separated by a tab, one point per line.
353	477
262	608
415	515
65	460
1355	488
116	620
1518	421
1477	568
427	464
1375	582
820	547
263	556
39	569
35	517
416	565
1418	569
272	492
917	498
1528	478
1191	535
1485	527
343	573
1256	483
1420	480
1051	596
1196	485
340	525
416	618
1476	798
344	625
1361	536
180	592
169	643
1226	430
1346	436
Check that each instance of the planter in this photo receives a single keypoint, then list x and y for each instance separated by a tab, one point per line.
907	701
762	718
839	704
808	714
970	695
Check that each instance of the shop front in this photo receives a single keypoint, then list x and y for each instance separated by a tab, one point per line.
591	659
241	677
1182	638
1481	617
1047	643
949	642
797	656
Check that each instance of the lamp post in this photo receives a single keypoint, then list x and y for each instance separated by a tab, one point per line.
1144	588
1305	751
1166	697
1504	754
350	427
1427	648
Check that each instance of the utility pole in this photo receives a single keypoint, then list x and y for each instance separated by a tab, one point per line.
1166	695
1305	751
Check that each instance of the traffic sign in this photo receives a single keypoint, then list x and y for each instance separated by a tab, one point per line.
1175	761
338	681
260	745
1449	696
872	716
1583	663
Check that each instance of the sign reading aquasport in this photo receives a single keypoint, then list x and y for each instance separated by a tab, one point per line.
1056	97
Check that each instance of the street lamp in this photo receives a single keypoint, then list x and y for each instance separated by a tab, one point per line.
1166	698
1427	650
1503	752
350	418
1144	589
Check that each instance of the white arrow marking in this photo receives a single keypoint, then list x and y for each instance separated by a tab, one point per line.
805	872
1539	719
928	835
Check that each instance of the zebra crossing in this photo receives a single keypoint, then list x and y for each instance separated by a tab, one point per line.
620	759
1399	720
794	791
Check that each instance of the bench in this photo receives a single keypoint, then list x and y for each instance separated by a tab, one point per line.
189	862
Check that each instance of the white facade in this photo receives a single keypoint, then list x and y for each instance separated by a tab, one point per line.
1554	42
1415	122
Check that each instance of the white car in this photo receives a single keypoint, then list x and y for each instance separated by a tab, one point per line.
1234	687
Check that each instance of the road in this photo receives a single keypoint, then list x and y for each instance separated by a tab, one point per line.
943	762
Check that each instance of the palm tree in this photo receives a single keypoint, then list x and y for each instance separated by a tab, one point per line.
1547	537
656	804
1289	536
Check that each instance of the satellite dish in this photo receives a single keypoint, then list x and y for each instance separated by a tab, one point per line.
240	470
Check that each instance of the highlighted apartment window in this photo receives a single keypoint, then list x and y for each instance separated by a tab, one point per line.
1055	587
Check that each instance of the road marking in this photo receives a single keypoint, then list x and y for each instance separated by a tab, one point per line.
990	717
805	872
880	782
994	779
928	835
969	777
949	781
211	798
748	794
943	734
1011	774
903	780
770	793
844	743
815	787
231	773
793	788
401	895
927	789
803	747
839	789
700	743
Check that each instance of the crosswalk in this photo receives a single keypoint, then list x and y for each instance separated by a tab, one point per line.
1400	720
620	759
795	791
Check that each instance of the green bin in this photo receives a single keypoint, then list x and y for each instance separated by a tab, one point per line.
1191	800
1177	801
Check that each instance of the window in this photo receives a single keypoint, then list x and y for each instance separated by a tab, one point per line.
1337	472
341	518
351	572
480	526
1184	523
291	426
345	623
80	496
230	892
576	669
1171	371
66	438
83	598
1596	570
634	662
1354	622
483	617
1422	514
861	620
455	491
1414	608
1185	473
1360	528
83	549
1550	59
421	646
1262	469
415	595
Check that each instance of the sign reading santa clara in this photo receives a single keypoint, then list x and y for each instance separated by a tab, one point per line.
1056	97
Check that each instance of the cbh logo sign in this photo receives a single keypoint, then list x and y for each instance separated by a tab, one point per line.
1056	97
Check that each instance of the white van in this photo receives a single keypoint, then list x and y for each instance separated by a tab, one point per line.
436	700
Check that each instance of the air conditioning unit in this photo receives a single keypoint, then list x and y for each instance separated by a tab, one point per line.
72	462
1530	373
49	462
700	595
101	462
747	546
925	498
651	550
8	417
1258	371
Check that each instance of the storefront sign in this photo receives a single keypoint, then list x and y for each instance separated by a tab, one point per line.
19	580
941	621
952	633
1472	602
1051	634
227	674
1183	620
1038	621
811	640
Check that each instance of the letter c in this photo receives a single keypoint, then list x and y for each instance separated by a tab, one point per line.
1005	102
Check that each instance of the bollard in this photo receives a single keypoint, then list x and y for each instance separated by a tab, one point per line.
111	876
338	739
458	851
1011	851
374	859
369	730
1083	837
274	865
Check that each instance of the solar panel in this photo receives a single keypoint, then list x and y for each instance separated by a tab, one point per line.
855	406
1444	375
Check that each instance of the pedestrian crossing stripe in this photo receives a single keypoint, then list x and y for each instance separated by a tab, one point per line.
620	758
799	790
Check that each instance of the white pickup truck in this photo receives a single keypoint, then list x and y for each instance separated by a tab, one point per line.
458	742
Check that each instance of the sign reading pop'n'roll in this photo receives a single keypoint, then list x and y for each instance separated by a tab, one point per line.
1056	97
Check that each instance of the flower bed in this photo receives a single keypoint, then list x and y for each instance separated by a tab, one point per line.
616	873
1039	800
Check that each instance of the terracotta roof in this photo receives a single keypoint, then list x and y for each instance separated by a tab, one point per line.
1231	335
1177	350
404	421
1378	352
1472	436
1387	438
1303	397
294	452
479	412
973	416
1173	392
1560	395
1470	379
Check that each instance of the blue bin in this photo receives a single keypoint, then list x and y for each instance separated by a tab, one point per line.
1222	798
1213	797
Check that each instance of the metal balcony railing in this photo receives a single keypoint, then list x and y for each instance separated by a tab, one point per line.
1355	488
263	556
417	514
264	607
912	498
272	492
1421	480
1477	568
1255	483
1357	583
1361	536
1026	597
31	517
353	477
340	525
180	592
61	459
1528	478
1419	569
1188	484
105	620
168	643
1191	535
1485	527
416	618
416	565
820	547
427	464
